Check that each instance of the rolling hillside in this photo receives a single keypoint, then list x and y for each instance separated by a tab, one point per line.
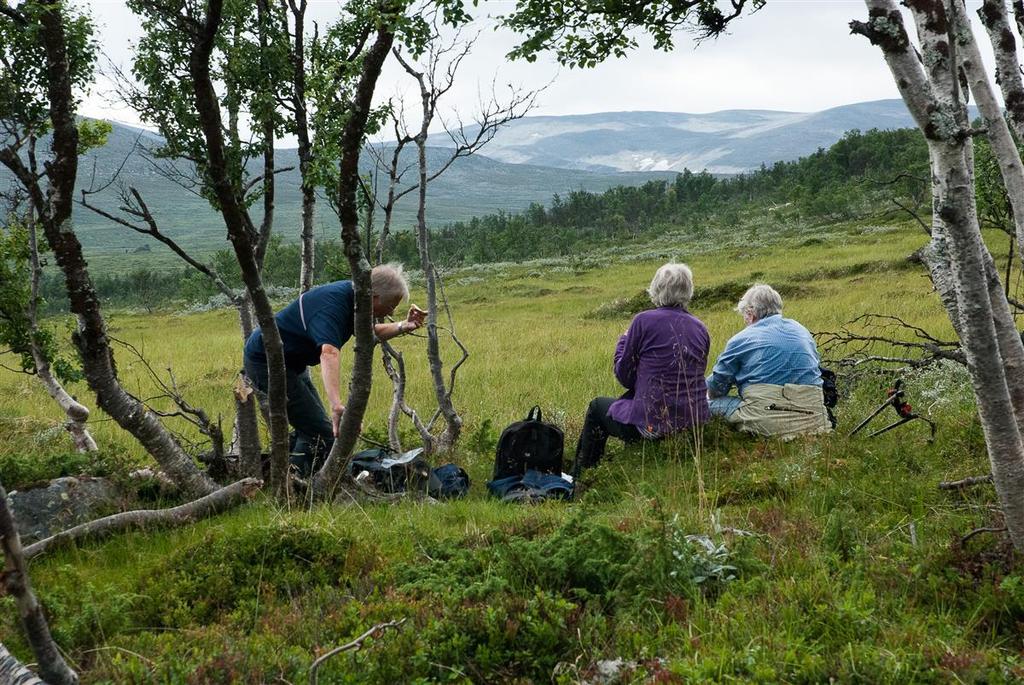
472	186
528	162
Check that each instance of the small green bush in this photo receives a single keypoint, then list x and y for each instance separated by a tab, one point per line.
199	583
582	560
23	469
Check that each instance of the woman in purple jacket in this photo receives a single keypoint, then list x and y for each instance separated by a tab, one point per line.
660	361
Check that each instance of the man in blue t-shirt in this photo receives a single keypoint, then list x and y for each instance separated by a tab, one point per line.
313	329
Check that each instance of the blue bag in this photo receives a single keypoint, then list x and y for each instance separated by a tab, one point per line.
532	486
448	482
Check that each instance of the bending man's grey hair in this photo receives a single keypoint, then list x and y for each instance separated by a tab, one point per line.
760	300
672	286
388	281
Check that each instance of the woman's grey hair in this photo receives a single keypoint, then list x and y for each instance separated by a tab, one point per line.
759	301
388	281
672	286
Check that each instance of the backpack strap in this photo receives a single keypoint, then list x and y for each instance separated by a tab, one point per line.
534	414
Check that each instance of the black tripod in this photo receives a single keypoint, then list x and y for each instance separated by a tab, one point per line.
895	398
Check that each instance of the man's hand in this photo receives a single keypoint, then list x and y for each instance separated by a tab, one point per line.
336	412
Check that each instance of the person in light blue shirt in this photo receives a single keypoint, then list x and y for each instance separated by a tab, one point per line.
774	365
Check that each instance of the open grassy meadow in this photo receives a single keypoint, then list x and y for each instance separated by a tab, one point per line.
705	558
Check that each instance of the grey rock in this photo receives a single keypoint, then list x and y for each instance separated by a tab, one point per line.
62	503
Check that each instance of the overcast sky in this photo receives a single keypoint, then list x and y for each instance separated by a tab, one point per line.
795	55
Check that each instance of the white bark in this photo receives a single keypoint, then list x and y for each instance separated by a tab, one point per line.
977	305
1003	147
76	412
391	358
13	672
1004	47
1012	171
429	95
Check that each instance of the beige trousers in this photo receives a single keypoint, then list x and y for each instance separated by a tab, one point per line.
785	411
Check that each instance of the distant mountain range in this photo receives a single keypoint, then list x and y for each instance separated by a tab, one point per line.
472	186
528	161
726	142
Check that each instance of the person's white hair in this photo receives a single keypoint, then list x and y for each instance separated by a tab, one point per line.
672	286
759	301
388	282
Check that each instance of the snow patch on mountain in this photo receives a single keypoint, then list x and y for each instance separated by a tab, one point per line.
725	142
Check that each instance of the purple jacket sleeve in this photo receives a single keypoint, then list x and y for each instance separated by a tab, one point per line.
627	354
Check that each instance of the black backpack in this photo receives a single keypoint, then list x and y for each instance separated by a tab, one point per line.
529	445
831	392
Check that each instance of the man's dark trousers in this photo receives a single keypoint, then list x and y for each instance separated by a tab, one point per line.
314	434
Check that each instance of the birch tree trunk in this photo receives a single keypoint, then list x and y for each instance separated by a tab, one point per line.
308	251
143	519
243	239
52	666
305	148
53	210
76	412
330	475
453	422
1012	171
13	672
1004	46
979	311
394	366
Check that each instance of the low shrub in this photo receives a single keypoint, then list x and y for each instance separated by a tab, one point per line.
221	574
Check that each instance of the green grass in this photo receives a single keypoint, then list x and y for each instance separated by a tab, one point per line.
852	572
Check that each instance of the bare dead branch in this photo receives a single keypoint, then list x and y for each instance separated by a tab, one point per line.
391	357
257	179
451	330
354	645
965	483
979	531
194	415
187	179
216	502
117	172
914	215
137	207
857	342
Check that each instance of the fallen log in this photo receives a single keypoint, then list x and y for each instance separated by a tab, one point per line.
214	503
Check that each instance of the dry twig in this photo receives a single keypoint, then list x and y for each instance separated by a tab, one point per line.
965	483
979	531
354	645
859	340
